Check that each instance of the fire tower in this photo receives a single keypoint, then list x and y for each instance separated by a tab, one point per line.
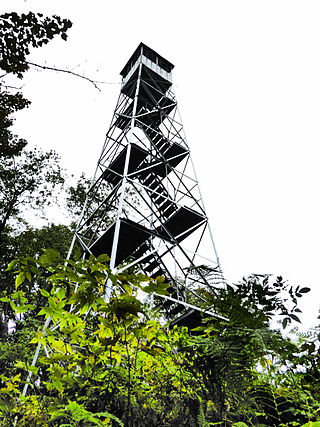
144	208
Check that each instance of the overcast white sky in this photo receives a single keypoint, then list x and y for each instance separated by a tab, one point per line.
247	82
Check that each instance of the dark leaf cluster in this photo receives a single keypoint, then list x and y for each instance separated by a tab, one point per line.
29	180
260	298
10	144
20	32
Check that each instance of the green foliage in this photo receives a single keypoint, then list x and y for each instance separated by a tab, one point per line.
245	369
76	414
33	241
312	424
263	298
76	195
10	144
102	353
113	362
24	244
26	177
20	32
17	34
76	199
30	180
239	424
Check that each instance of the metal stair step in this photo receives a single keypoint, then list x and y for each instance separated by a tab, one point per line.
168	303
149	180
176	310
152	266
147	259
158	200
141	250
156	186
162	148
167	212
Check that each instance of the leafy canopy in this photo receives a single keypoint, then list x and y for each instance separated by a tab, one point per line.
20	32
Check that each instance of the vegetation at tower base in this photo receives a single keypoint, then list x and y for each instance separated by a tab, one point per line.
116	363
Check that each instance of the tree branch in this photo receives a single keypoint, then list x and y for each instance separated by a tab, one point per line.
10	87
46	67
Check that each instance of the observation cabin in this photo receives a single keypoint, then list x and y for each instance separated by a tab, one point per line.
151	60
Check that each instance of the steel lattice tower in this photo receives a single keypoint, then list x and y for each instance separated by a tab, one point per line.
144	208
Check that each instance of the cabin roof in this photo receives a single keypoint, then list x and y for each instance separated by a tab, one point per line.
149	53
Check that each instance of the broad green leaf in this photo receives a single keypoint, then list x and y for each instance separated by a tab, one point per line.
103	258
16	378
12	265
49	256
158	286
44	293
20	279
57	384
61	293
